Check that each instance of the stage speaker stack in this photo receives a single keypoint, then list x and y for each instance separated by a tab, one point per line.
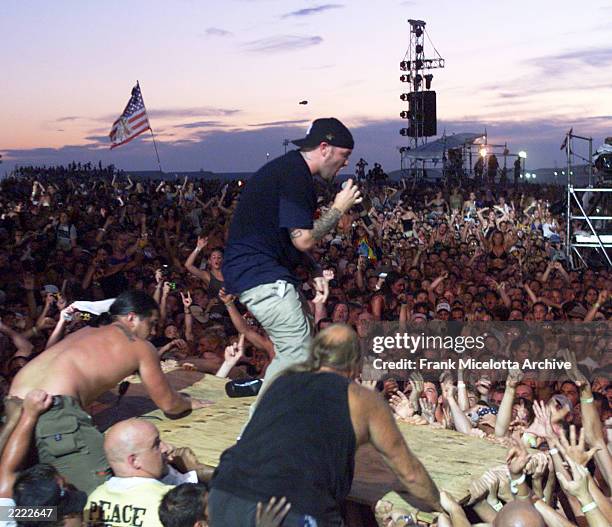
423	104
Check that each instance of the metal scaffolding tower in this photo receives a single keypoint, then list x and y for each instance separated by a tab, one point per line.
591	205
414	68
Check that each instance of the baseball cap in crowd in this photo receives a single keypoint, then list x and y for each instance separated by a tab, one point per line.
419	317
327	130
50	288
443	306
198	314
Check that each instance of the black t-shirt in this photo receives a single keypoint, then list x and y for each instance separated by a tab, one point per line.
300	443
280	196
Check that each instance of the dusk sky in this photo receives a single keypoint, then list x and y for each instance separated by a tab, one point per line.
222	80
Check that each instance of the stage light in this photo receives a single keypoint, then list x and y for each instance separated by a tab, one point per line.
428	79
405	78
527	175
419	48
404	96
404	131
418	31
405	65
404	115
418	64
417	82
483	152
556	173
522	154
533	175
563	172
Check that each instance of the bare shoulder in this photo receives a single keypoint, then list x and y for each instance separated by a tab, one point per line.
363	405
365	399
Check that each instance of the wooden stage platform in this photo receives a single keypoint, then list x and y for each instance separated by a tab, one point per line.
452	459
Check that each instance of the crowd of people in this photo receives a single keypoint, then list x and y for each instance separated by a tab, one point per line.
74	237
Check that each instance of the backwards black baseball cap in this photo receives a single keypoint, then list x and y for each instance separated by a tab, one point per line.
326	130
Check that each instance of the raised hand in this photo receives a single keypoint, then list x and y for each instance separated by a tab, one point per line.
49	300
573	372
428	410
483	386
61	302
543	415
225	297
417	383
322	290
159	276
575	449
401	405
234	352
166	290
180	344
579	485
187	301
603	297
328	275
273	514
202	242
517	458
67	312
515	376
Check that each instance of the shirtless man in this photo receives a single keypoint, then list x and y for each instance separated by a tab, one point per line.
78	369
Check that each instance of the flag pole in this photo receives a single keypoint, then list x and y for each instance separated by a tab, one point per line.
152	134
156	152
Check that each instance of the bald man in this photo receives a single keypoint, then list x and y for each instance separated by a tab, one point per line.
131	498
519	513
302	438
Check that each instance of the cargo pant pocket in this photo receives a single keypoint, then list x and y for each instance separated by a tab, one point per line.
59	436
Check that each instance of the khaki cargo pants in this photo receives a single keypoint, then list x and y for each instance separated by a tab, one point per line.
67	439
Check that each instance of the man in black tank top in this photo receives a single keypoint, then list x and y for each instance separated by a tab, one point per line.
301	441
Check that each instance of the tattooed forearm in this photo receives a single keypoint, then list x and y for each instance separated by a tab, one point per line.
326	223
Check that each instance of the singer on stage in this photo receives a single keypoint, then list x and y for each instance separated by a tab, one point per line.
272	231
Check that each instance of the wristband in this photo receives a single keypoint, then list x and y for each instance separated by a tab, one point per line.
589	507
461	384
515	482
586	401
497	506
553	451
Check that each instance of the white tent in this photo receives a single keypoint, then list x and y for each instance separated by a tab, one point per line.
436	149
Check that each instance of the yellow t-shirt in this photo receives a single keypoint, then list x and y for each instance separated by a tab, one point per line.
126	502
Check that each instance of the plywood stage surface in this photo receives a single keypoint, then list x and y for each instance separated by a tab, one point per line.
451	458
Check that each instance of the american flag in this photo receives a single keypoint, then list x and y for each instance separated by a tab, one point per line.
133	120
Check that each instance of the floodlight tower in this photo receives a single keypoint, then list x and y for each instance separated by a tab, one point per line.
421	111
